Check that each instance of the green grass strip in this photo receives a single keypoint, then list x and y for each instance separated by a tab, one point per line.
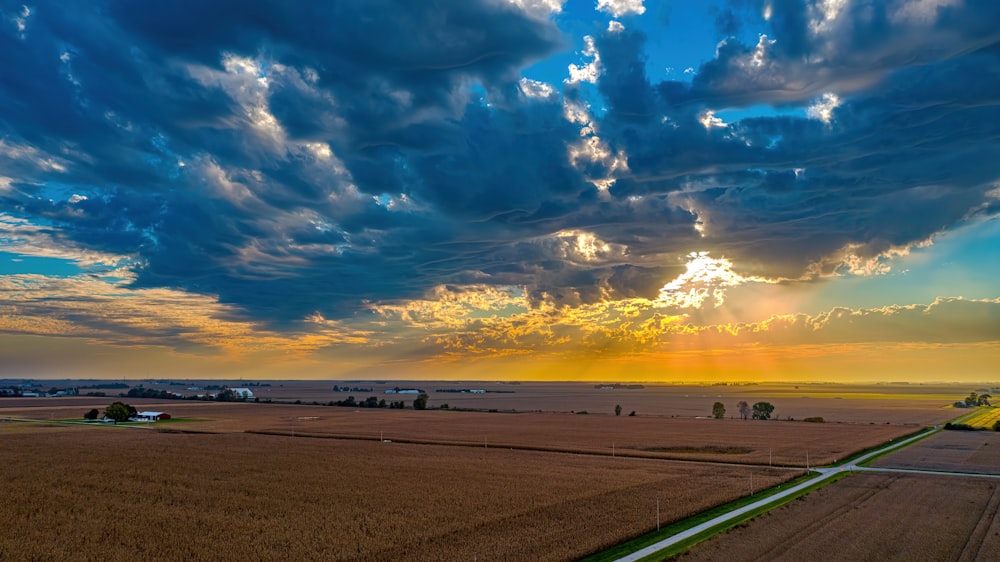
849	459
652	537
684	545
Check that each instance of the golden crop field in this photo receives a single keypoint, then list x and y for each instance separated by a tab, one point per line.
869	516
987	417
106	493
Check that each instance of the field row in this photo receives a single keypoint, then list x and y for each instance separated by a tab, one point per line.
115	493
771	442
869	516
987	418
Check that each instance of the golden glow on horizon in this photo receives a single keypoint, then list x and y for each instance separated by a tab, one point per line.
690	332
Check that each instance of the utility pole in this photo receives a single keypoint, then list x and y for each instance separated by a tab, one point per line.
768	456
657	514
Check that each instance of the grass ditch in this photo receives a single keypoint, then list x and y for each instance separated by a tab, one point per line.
681	547
927	431
653	537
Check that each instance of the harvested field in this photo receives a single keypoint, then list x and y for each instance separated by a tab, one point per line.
106	493
903	404
956	451
739	441
869	516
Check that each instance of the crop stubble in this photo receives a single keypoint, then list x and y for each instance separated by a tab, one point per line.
957	451
870	516
747	442
116	494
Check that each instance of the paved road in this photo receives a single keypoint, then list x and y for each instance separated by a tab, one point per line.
915	471
824	474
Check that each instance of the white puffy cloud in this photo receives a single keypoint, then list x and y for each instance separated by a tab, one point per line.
823	108
538	8
705	278
535	89
586	72
619	8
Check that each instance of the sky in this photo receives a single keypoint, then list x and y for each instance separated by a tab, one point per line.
613	190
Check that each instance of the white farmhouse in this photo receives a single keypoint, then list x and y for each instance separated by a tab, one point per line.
244	393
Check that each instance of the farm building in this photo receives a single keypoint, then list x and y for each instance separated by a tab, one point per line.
242	392
152	416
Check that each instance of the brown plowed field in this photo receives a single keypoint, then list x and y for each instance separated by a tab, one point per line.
901	403
954	451
739	441
105	493
869	516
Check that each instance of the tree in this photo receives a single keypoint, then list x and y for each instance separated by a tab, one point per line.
762	410
91	415
421	402
972	399
744	409
118	411
984	399
618	409
718	410
996	426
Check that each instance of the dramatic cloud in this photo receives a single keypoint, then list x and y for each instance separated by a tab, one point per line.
295	167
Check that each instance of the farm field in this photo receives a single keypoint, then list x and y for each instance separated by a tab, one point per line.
957	451
985	418
737	441
79	492
899	403
869	516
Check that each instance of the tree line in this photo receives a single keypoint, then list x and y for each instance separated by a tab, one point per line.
759	411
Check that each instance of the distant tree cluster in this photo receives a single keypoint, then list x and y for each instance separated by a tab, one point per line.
762	410
338	388
370	402
420	403
119	412
759	411
973	400
143	392
718	410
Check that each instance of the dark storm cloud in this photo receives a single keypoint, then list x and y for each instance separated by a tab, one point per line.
301	157
900	160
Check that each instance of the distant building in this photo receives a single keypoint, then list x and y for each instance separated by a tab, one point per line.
404	391
242	392
29	394
152	416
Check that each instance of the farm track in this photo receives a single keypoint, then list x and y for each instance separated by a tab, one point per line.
831	518
973	547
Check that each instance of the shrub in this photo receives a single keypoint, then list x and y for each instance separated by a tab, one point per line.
816	419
